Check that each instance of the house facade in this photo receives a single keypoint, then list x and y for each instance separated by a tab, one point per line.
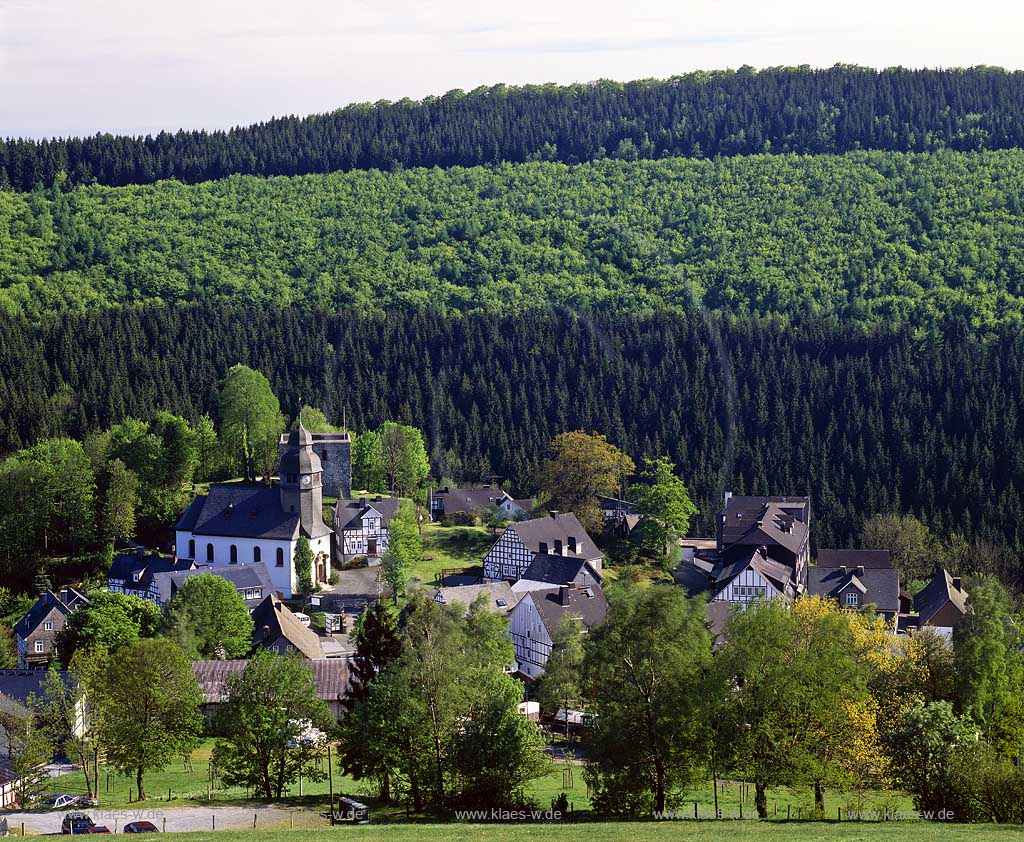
559	534
235	523
856	579
137	574
940	606
471	501
535	618
37	631
361	526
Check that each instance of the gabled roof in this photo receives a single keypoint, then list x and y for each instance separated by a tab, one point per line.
501	597
559	526
243	576
753	521
868	559
67	600
21	685
272	620
125	565
349	513
470	499
589	604
864	570
776	573
331	677
559	569
934	596
241	511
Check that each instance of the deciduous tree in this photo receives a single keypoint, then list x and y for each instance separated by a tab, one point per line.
208	618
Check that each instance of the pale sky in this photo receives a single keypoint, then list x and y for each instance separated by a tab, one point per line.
73	67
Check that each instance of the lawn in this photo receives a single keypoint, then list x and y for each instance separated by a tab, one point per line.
633	831
452	548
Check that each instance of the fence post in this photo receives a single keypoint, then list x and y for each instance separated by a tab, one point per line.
789	812
695	809
214	819
253	821
741	809
839	814
165	824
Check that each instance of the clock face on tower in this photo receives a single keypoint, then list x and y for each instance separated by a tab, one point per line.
307	481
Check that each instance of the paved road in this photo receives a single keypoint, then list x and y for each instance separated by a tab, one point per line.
177	818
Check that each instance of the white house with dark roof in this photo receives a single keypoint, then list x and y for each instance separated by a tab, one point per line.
535	619
940	606
236	523
136	574
560	534
361	525
855	579
549	571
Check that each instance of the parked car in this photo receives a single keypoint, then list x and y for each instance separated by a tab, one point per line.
61	801
98	828
76	823
140	827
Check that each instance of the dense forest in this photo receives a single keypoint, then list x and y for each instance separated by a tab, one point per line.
700	114
862	422
863	238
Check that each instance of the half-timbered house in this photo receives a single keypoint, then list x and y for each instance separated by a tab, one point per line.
559	534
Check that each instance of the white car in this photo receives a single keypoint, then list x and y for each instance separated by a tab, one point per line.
60	802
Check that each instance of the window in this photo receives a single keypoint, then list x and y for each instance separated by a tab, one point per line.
48	625
209	552
280	557
191	548
851	599
39	646
256	554
234	554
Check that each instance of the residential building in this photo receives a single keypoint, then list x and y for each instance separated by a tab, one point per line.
19	687
135	574
615	509
37	631
472	500
237	523
252	581
331	678
500	596
535	619
361	526
559	534
277	628
549	571
940	605
856	579
335	453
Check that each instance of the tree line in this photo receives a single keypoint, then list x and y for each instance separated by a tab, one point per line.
865	238
781	109
864	424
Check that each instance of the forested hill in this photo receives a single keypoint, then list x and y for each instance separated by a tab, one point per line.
863	238
862	423
700	114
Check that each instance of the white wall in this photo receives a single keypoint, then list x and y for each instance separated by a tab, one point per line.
530	637
738	589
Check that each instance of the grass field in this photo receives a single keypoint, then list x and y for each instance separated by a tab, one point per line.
451	547
635	832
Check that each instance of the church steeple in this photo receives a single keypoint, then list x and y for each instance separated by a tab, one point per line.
301	475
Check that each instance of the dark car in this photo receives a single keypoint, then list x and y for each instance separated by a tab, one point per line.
98	828
76	823
140	827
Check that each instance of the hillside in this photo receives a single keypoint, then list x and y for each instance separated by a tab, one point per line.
864	238
794	109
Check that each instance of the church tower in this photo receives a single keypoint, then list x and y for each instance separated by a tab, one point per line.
301	482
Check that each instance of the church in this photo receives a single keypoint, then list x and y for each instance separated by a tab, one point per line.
240	523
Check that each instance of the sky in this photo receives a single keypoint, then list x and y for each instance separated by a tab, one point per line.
77	67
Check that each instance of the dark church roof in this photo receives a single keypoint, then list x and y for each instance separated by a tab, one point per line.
241	511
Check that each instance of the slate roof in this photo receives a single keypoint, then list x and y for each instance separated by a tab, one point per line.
241	511
753	521
349	513
934	596
559	569
589	604
272	620
245	575
66	600
298	456
779	575
331	677
469	499
878	581
21	685
560	527
500	594
125	565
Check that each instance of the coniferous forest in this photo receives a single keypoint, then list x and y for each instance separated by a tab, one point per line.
699	114
863	422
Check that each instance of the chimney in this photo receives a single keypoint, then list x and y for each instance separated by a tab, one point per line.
558	546
563	594
572	543
860	570
139	551
728	497
446	489
957	583
266	632
842	570
362	501
554	513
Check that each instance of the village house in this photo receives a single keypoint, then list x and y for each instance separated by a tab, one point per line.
471	501
940	606
856	579
331	678
535	619
361	526
37	631
236	523
136	574
560	534
19	687
548	571
277	628
500	596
